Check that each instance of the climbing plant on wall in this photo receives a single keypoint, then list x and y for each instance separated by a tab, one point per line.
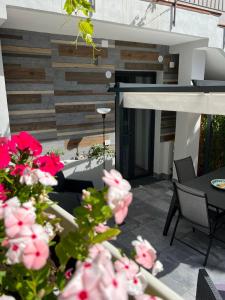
85	25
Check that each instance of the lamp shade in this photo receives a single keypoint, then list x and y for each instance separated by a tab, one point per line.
103	110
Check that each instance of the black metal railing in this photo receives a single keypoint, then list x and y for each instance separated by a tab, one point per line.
217	5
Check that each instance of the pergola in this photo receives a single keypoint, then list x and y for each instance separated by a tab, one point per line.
204	97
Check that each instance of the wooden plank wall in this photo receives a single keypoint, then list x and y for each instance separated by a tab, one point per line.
53	88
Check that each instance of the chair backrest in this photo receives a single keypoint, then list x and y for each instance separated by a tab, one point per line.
206	289
61	182
185	169
193	205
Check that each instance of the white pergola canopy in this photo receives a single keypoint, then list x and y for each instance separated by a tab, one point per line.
201	103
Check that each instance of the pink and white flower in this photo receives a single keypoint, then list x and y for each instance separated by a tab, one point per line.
136	285
33	233
128	266
84	285
6	297
115	179
100	228
145	253
18	219
158	267
15	252
147	297
8	206
35	254
99	250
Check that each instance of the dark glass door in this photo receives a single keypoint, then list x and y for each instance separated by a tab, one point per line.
137	132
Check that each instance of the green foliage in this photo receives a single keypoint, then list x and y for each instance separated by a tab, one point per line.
85	26
93	211
97	151
217	151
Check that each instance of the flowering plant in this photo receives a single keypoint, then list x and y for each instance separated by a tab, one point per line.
35	262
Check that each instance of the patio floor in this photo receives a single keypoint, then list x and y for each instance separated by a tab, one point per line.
147	216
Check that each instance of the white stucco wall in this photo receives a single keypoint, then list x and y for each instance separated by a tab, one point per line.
4	114
142	14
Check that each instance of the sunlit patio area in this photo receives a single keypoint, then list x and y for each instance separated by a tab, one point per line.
147	217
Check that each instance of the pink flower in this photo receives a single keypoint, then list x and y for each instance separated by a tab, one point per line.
34	232
68	274
100	228
8	206
4	156
128	266
121	210
5	297
85	194
14	253
49	163
27	143
115	179
113	285
17	219
145	253
35	254
18	170
3	192
99	249
45	178
84	285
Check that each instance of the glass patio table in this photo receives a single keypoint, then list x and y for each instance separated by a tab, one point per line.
215	196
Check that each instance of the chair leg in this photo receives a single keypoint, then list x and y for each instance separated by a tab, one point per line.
171	213
208	250
174	231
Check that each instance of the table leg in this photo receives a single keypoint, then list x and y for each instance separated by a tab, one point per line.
171	213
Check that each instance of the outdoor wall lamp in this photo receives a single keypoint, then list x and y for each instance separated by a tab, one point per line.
160	59
103	111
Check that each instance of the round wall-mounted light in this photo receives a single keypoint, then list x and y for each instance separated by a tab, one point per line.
160	59
108	74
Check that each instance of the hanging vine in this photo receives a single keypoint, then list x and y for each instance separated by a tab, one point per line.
85	26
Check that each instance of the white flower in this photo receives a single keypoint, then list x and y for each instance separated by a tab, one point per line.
136	286
45	178
5	297
49	230
158	267
7	206
29	177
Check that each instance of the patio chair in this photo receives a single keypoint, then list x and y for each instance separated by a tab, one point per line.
193	207
185	169
206	289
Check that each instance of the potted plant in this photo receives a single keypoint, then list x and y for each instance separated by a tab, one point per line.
41	260
90	166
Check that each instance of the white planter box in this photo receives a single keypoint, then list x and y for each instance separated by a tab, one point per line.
87	169
155	286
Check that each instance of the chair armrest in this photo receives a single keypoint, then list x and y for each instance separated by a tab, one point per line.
76	186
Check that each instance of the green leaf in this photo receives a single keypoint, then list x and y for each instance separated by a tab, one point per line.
2	275
105	236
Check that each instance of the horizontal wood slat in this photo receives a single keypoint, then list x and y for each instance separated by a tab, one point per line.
26	50
85	125
74	108
10	36
85	141
84	132
24	99
80	93
15	73
82	66
33	126
139	55
82	51
87	77
143	66
134	44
